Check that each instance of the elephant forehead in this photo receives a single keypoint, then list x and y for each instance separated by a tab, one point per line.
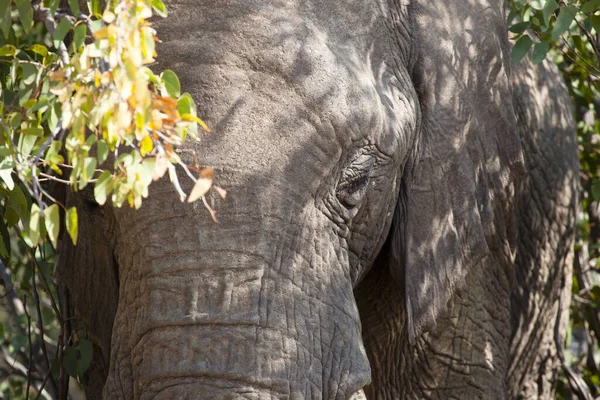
296	76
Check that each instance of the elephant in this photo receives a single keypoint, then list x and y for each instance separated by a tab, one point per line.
399	220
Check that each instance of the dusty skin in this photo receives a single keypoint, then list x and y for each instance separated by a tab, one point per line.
400	213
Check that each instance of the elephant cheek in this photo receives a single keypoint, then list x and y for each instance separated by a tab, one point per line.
233	323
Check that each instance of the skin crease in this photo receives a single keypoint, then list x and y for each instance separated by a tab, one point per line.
378	169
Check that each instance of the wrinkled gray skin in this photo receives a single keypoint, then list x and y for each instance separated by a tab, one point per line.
400	213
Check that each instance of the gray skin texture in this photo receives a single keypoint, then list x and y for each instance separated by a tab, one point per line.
400	212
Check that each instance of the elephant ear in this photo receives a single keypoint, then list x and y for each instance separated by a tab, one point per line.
456	193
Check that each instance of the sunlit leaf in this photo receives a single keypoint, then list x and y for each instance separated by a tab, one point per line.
202	185
190	117
170	84
103	187
40	49
52	221
6	169
102	149
71	224
8	50
34	224
159	8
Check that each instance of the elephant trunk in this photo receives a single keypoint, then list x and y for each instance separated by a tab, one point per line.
255	321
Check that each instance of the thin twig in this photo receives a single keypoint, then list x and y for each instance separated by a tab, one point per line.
580	57
30	347
566	54
41	13
43	384
41	321
589	37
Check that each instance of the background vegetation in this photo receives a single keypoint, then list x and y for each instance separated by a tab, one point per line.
568	33
80	106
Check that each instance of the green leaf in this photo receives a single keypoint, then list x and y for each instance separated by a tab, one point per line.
520	27
565	17
159	8
40	49
53	5
71	224
70	361
25	13
8	50
96	25
33	131
102	149
74	6
85	350
4	242
52	220
34	224
64	26
548	10
595	20
16	207
79	35
521	48
596	189
94	7
5	19
6	168
26	143
89	165
170	83
591	6
103	187
186	106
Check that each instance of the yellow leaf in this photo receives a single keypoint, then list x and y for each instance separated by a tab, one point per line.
190	117
146	145
103	33
71	223
97	78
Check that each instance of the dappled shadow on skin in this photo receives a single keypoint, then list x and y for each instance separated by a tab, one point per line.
277	148
462	81
262	302
547	214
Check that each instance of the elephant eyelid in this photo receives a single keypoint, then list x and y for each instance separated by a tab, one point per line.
354	181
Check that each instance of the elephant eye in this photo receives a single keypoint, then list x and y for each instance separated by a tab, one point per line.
354	181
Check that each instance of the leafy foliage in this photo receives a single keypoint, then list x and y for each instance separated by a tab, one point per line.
568	32
79	106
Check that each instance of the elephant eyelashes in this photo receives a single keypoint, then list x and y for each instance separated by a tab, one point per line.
353	184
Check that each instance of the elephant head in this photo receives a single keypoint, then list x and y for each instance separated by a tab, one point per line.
350	136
